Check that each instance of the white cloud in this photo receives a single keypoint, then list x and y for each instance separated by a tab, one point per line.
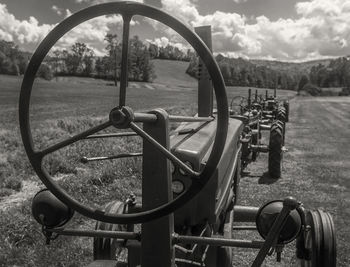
28	33
164	41
321	30
57	10
22	31
239	1
92	32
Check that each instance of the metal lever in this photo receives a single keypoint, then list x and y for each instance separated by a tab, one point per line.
108	135
126	155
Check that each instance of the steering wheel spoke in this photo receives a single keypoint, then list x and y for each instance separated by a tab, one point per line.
124	63
74	139
164	151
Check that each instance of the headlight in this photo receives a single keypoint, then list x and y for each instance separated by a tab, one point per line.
177	187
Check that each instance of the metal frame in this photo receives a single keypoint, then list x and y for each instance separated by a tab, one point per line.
127	10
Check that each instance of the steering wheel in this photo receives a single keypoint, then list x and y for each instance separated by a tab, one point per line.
122	116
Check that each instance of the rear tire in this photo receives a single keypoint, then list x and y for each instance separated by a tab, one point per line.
224	255
275	151
286	106
317	247
108	248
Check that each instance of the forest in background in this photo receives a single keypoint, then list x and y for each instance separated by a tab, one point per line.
80	60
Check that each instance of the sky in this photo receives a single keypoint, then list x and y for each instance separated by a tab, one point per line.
287	30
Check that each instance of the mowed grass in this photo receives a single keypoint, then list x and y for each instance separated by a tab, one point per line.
316	170
61	109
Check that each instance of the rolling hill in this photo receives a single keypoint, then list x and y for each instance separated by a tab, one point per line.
171	72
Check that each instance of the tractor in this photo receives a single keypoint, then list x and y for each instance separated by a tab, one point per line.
190	179
257	119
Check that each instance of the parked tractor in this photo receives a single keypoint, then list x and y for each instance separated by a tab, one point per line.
256	117
190	180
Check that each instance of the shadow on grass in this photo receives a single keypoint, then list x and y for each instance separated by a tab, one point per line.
248	174
267	179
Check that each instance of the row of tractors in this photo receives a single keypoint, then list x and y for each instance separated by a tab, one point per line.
260	114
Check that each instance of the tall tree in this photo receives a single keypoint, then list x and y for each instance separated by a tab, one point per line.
303	81
114	52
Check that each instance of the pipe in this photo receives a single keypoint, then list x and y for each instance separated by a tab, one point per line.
96	233
217	242
244	213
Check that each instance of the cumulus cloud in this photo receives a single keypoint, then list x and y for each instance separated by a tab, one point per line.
28	33
164	42
92	32
57	10
320	30
22	31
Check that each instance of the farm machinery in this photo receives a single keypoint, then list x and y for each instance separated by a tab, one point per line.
190	180
260	115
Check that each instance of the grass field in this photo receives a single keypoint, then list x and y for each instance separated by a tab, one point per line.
316	168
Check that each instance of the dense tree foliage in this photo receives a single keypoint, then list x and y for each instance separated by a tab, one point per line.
170	52
240	72
336	74
303	81
81	61
12	60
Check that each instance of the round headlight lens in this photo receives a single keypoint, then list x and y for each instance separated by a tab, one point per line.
177	187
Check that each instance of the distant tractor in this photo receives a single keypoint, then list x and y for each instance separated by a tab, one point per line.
260	115
190	180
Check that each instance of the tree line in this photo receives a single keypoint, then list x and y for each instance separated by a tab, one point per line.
12	60
334	74
241	72
80	60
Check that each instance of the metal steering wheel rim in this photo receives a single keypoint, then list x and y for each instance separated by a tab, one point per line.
127	9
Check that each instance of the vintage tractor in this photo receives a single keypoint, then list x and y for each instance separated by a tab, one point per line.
190	180
273	109
256	120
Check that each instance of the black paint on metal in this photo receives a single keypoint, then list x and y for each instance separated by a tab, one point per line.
156	191
124	63
205	88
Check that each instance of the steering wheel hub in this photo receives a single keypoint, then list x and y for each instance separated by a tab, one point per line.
121	117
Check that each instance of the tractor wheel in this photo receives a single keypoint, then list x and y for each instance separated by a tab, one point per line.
282	126
275	152
317	246
282	115
286	106
224	254
108	248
